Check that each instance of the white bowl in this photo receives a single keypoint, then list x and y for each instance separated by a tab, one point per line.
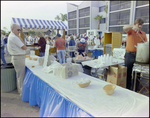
84	84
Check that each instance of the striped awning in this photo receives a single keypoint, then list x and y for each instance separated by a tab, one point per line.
39	24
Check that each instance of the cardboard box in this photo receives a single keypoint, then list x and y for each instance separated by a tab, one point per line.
117	75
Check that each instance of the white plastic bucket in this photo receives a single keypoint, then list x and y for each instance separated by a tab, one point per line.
142	54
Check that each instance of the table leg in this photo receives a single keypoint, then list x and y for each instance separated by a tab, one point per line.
135	75
95	72
144	86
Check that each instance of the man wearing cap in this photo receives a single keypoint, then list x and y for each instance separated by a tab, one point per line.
6	51
60	45
16	48
82	47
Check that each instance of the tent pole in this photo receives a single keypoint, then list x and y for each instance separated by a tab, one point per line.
57	31
63	34
21	34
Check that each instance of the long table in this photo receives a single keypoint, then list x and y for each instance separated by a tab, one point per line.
96	66
64	98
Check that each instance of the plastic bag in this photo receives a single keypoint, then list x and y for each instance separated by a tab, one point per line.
51	67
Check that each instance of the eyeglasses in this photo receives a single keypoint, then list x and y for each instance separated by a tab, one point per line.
18	29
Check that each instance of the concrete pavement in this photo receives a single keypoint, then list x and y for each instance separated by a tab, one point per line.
12	104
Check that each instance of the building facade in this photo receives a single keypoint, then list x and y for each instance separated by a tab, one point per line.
120	13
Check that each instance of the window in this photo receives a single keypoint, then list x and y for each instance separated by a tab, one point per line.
72	15
117	29
84	12
103	20
82	31
114	3
118	5
72	31
143	13
139	3
120	18
145	29
84	22
101	9
72	24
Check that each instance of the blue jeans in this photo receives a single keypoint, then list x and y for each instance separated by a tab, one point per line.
2	56
72	54
61	53
129	61
80	52
42	54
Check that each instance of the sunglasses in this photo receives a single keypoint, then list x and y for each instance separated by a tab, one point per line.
18	29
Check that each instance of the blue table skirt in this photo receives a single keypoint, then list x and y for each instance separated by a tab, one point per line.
51	103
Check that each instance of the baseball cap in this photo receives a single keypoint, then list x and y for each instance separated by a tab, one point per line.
82	40
58	35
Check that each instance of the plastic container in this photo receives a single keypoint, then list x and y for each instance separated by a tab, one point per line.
8	78
142	55
97	53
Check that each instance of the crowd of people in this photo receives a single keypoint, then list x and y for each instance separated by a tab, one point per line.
70	40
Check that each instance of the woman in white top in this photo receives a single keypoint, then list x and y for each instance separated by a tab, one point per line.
97	41
36	39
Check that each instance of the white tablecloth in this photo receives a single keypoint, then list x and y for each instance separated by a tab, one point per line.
93	99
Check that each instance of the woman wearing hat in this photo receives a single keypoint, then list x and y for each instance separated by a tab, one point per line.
82	47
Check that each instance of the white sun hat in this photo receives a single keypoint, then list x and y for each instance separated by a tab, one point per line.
82	40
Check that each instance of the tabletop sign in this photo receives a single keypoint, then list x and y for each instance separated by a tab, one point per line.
46	55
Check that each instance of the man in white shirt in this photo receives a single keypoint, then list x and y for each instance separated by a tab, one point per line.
16	49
